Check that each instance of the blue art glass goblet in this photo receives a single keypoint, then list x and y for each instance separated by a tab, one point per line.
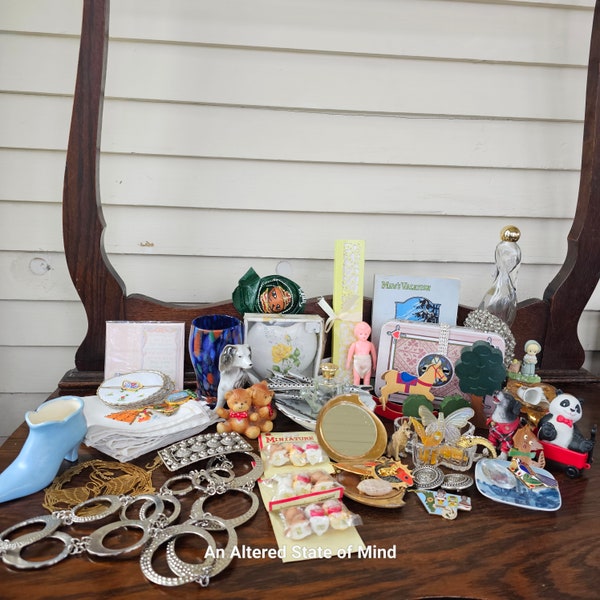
209	334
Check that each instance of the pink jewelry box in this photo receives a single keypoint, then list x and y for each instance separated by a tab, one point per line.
410	347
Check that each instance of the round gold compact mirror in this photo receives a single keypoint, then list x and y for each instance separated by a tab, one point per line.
347	430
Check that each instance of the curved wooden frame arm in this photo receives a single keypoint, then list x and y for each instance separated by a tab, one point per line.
101	290
569	292
552	321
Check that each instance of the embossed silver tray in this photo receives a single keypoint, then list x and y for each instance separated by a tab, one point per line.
205	445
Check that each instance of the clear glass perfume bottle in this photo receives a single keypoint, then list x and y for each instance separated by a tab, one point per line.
501	299
326	386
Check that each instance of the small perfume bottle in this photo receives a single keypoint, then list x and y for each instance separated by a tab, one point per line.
501	299
327	380
326	386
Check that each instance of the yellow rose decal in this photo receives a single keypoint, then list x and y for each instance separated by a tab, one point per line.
280	352
285	357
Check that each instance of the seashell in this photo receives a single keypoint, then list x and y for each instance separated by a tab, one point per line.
375	487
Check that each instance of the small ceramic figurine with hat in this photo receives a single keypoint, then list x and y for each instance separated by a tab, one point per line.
532	349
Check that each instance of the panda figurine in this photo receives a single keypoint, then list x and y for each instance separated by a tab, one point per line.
558	425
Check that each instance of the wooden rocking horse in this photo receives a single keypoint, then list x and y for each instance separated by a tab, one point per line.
406	383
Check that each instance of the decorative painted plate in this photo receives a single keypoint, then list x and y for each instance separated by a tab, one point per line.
495	481
136	389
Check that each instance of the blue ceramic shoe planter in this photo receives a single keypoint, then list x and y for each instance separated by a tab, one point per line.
56	429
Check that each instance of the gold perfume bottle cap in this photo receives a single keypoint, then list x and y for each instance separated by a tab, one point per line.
510	233
328	370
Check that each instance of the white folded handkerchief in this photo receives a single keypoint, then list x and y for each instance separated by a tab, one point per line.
125	441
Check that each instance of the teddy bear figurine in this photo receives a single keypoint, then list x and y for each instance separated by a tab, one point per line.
237	414
263	414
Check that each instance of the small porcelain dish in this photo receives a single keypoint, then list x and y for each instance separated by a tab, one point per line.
495	481
134	390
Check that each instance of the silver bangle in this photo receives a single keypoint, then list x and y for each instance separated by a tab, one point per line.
167	489
248	479
96	546
206	481
13	557
198	515
114	504
222	557
160	515
215	483
51	524
151	501
186	573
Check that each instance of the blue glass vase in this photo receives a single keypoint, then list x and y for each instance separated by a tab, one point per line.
209	334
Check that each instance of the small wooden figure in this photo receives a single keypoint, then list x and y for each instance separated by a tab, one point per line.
527	447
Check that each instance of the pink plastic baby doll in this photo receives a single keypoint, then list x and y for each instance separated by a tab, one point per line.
361	354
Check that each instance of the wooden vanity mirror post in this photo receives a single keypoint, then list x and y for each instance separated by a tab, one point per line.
551	320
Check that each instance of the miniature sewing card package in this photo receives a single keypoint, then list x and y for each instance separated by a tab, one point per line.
419	358
304	500
282	344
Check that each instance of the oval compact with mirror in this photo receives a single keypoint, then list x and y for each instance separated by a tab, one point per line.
354	437
348	431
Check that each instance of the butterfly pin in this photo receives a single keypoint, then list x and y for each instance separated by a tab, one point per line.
443	428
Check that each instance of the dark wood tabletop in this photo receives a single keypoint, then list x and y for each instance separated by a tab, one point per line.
495	551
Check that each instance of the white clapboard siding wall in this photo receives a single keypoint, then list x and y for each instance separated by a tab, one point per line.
240	134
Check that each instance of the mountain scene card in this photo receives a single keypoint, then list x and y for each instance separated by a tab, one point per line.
425	299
